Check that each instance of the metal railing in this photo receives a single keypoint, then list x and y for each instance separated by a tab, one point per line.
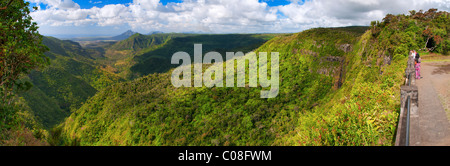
407	121
408	106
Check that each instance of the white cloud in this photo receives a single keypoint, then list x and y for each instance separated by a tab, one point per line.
228	16
212	15
60	4
327	13
95	2
111	11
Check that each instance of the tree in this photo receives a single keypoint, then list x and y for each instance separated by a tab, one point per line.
430	14
428	34
21	48
389	18
412	12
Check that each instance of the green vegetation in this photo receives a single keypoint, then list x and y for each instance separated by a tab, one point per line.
158	60
76	73
139	42
19	126
421	31
21	51
21	48
364	111
150	111
46	109
67	83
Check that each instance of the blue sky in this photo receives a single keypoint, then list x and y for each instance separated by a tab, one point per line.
275	2
87	4
112	17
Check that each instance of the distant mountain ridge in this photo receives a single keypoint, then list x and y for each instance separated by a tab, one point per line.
139	41
155	32
124	35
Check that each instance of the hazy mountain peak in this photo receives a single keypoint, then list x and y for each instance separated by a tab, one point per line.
124	35
129	32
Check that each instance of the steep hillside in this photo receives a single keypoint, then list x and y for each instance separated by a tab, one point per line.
119	57
337	87
47	110
138	42
67	48
141	55
364	111
78	72
20	127
71	78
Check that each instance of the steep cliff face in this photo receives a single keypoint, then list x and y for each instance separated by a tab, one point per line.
325	55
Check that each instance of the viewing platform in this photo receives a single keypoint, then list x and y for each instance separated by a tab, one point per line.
429	106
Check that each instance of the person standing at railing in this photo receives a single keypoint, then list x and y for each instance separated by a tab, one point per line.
417	61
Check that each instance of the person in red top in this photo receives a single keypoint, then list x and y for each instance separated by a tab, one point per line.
417	64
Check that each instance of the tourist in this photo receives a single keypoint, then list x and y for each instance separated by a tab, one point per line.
417	61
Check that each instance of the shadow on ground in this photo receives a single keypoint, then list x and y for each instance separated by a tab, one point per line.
441	69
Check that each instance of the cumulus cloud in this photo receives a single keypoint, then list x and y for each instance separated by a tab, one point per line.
228	16
325	13
213	15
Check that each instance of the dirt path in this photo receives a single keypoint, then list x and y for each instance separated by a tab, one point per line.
434	104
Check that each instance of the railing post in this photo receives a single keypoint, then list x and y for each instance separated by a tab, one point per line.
410	71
